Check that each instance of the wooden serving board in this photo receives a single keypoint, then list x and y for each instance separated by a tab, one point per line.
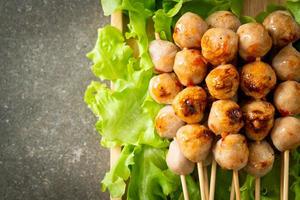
251	8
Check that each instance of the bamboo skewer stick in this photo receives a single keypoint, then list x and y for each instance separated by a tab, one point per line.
286	175
236	184
232	190
184	188
116	20
257	188
201	180
206	181
281	176
212	179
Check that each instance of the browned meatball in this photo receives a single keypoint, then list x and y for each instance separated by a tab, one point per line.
164	87
225	117
287	64
282	27
163	55
231	152
188	31
195	141
285	133
219	45
223	19
223	81
254	41
261	159
167	123
176	161
259	119
287	98
257	79
189	104
190	67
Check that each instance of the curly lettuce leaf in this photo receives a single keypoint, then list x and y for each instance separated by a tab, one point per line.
110	54
294	7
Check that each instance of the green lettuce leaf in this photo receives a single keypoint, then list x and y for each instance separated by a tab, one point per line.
294	7
110	54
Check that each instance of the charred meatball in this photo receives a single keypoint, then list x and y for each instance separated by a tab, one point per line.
257	79
190	67
223	81
259	119
223	19
164	87
231	152
285	133
219	45
254	41
176	161
188	31
287	98
287	64
195	141
261	159
163	55
225	117
189	104
282	27
167	123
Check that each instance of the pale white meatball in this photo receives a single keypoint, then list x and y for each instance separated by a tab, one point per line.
225	117
287	98
176	161
285	133
223	19
194	141
257	79
254	41
162	54
188	31
282	27
190	67
167	123
231	152
261	159
223	81
287	64
189	104
219	45
164	87
259	119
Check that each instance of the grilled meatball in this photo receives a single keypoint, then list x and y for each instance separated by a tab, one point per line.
223	19
259	119
225	117
167	123
254	41
231	152
194	141
219	45
163	54
164	87
188	31
223	81
176	161
257	79
285	133
282	27
287	98
190	67
261	159
189	104
287	64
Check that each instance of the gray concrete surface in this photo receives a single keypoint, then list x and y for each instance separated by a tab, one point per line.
48	146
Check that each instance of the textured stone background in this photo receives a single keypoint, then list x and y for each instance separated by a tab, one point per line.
48	146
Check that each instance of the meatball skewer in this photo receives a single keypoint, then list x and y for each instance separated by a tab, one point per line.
230	152
166	122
